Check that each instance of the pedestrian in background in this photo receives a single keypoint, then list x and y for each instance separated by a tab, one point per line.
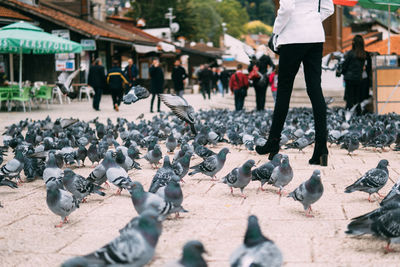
224	77
116	82
239	84
97	80
356	71
156	83
178	77
205	75
131	72
214	80
273	81
261	81
298	36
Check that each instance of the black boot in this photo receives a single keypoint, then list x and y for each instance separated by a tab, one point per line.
320	155
271	147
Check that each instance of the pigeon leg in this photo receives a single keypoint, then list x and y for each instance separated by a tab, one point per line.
84	200
183	181
381	196
308	213
66	220
107	184
118	193
214	178
388	249
243	195
261	188
210	187
59	225
177	216
231	191
369	198
19	180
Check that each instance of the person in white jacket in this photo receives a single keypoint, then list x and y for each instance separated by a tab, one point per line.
299	35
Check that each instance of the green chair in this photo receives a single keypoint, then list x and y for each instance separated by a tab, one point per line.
21	96
44	93
4	95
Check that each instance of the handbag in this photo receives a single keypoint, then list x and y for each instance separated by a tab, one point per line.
254	73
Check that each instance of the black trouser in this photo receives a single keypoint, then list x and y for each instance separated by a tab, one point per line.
205	89
261	92
226	87
239	100
116	95
291	56
353	93
158	102
97	97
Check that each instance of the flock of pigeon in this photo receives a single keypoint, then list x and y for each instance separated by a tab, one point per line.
47	150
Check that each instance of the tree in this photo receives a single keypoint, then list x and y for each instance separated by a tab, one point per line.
263	10
234	15
257	27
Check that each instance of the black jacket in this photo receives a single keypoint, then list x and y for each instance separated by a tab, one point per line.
205	76
156	80
353	67
97	78
178	75
225	76
263	64
115	79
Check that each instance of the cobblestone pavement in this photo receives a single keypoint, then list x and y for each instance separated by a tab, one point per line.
218	219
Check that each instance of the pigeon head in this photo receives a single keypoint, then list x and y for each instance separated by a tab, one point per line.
192	253
137	192
276	160
222	154
383	164
167	162
68	173
253	234
248	165
285	161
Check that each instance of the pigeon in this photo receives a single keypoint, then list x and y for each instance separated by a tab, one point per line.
172	193
5	182
118	176
80	155
352	145
180	107
282	174
163	176
13	168
181	166
78	186
192	256
123	159
52	173
383	223
134	247
256	250
372	181
309	192
239	177
136	93
145	200
134	222
393	195
60	202
98	175
171	143
64	83
211	165
263	173
202	151
154	156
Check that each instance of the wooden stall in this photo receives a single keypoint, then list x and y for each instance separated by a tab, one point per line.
386	84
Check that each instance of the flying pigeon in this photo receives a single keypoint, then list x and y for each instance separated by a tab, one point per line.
372	181
65	81
256	250
309	192
136	93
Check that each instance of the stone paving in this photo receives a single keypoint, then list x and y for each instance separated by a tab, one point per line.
218	219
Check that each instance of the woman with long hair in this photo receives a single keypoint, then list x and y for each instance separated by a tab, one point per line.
299	35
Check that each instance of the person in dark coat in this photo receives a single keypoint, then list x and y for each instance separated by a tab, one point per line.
156	83
97	80
131	72
261	84
116	81
356	67
224	77
214	80
205	77
178	77
239	84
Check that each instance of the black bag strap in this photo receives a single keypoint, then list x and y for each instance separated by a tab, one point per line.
237	80
319	6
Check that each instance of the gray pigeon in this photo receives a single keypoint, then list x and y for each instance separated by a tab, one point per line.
383	222
98	175
154	156
118	177
52	172
123	159
181	166
13	168
192	256
372	181
393	195
281	175
264	172
60	202
202	151
256	250
163	176
93	153
145	200
65	81
79	186
180	107
134	223
136	93
134	247
309	192
171	143
172	193
211	165
239	177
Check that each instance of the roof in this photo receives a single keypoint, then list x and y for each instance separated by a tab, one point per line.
8	13
96	29
382	46
206	49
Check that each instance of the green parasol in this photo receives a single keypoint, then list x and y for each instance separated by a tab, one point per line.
24	38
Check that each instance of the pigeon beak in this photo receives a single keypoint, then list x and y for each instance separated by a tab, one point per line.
207	253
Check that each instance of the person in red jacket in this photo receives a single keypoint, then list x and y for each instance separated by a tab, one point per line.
273	81
239	84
